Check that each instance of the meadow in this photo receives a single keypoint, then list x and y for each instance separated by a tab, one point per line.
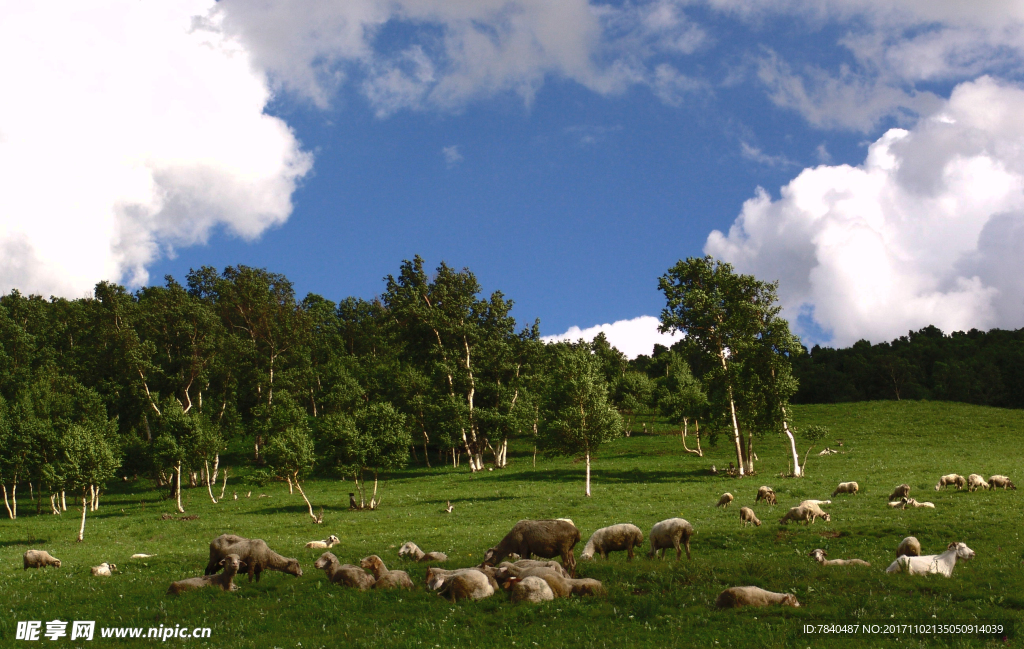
641	479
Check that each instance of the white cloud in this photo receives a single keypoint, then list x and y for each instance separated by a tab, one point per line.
631	337
129	128
451	155
928	230
754	154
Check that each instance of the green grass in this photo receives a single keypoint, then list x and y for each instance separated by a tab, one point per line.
642	479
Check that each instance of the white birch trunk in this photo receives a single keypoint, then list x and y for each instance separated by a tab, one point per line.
63	501
797	472
303	493
85	505
291	490
225	485
209	485
53	505
588	474
216	466
14	497
177	487
7	504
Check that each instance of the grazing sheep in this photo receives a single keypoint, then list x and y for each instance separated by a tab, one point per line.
951	479
139	555
343	573
1000	482
545	538
846	488
413	551
909	547
103	570
467	584
40	559
747	516
933	564
753	596
901	491
817	512
231	564
807	514
724	500
766	494
669	534
329	542
529	589
254	553
975	482
383	577
623	536
819	556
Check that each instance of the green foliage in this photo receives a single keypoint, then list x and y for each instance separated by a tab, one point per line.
680	394
577	416
815	433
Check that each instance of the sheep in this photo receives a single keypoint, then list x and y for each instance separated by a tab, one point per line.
766	494
807	514
383	577
561	586
669	534
753	596
232	563
139	555
103	570
525	564
975	482
411	550
1001	481
910	547
899	504
343	573
40	559
819	556
436	577
623	536
254	553
329	542
901	491
934	564
467	584
816	511
747	516
914	503
816	503
846	488
951	479
724	500
545	538
529	589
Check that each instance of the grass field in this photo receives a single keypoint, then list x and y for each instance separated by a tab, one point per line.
650	603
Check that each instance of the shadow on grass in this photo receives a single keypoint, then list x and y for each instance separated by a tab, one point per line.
10	544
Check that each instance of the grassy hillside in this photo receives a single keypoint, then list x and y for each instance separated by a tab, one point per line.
642	479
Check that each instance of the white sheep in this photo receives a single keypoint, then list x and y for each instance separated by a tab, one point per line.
414	552
232	563
623	536
724	500
1001	482
805	513
747	516
899	504
816	503
915	503
819	556
753	596
846	488
933	564
103	570
766	494
40	559
901	491
139	555
529	589
468	584
909	546
670	533
951	479
975	482
329	542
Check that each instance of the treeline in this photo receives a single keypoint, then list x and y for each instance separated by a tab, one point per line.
983	368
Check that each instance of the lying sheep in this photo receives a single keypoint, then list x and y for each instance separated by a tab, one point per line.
753	596
901	491
329	542
411	550
819	556
561	586
613	538
384	578
231	564
545	538
670	533
899	504
724	500
910	547
951	479
747	516
103	570
914	503
40	559
1000	482
343	573
766	494
975	482
804	513
529	589
254	553
139	555
846	488
525	564
934	564
436	577
468	584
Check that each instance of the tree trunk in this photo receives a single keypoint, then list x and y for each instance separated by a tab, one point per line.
53	504
225	485
797	472
303	494
209	485
535	456
290	489
85	504
216	468
63	502
177	487
14	496
735	422
684	432
373	499
426	456
7	504
588	475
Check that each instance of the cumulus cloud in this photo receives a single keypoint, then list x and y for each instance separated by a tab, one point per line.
631	337
927	230
451	155
129	128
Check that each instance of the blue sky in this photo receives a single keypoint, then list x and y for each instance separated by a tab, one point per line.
567	155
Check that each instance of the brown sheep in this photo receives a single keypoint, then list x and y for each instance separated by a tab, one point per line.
747	516
254	553
901	491
40	559
413	551
231	564
846	488
753	596
385	578
623	536
544	538
1000	482
467	584
343	573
